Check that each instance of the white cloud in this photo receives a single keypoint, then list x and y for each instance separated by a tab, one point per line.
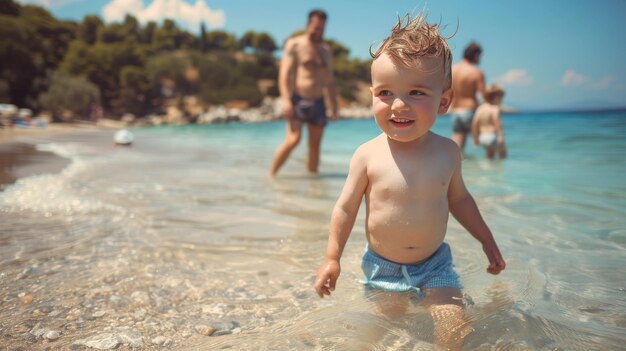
603	83
46	3
116	10
572	78
187	15
515	77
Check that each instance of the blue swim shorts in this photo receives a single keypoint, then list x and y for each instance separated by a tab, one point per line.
462	121
436	272
309	111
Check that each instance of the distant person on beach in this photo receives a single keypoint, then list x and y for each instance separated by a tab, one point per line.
467	81
411	180
487	127
304	76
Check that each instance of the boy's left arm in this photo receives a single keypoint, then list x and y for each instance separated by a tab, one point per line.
464	209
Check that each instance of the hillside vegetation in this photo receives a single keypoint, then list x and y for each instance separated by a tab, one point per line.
67	68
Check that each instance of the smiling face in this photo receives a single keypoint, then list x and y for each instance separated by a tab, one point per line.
406	101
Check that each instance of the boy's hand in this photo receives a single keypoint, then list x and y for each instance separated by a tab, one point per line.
327	277
496	262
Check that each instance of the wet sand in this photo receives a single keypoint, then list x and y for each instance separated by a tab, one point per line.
20	158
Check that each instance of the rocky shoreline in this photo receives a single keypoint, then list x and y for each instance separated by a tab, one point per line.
269	110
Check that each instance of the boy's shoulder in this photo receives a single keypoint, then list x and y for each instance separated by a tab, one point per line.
374	142
371	145
444	144
442	140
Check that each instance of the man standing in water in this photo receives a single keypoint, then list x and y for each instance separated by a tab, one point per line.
305	75
467	80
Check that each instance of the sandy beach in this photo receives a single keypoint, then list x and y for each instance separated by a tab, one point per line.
19	156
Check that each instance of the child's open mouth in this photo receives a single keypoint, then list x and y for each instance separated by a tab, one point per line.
401	122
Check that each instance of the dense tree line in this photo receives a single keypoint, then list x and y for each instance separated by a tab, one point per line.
67	67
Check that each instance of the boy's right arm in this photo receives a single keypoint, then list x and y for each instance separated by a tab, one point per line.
341	223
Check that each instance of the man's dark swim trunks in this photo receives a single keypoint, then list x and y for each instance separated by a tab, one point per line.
309	111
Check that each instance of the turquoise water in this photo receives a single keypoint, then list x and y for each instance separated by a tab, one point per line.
189	216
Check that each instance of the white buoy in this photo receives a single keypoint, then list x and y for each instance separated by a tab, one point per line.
123	137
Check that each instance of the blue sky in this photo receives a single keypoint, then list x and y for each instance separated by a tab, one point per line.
547	54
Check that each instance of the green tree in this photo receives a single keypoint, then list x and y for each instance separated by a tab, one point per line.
202	41
101	64
268	66
220	41
258	42
54	36
169	37
264	43
88	30
166	66
69	94
32	43
135	91
9	7
147	33
247	40
165	37
20	57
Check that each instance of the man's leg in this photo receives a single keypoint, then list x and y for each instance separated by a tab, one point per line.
446	308
315	140
292	138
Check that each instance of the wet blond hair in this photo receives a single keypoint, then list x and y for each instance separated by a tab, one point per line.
493	92
412	39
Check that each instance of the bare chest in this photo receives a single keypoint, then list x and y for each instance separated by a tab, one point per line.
413	181
311	57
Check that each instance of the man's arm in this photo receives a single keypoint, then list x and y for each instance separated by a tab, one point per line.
341	223
464	209
285	73
329	78
480	84
475	129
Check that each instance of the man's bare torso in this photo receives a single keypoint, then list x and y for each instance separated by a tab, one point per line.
407	205
466	79
311	62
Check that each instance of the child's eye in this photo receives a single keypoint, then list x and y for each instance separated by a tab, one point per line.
384	93
415	93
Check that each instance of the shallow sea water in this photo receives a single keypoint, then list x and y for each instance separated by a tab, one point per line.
184	229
